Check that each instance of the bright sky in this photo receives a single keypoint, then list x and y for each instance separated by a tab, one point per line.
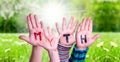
51	12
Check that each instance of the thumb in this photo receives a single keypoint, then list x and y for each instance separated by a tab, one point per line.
95	37
22	37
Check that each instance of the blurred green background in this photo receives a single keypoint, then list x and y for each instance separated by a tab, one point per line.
104	13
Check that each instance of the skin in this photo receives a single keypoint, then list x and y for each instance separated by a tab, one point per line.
51	45
85	28
67	30
34	27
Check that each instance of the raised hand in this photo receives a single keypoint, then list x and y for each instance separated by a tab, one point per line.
35	31
84	34
51	45
67	33
52	40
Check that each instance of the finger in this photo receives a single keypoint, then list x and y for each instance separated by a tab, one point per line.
22	37
41	24
90	25
58	28
80	27
87	23
83	24
95	37
32	20
75	25
71	21
64	24
36	21
29	23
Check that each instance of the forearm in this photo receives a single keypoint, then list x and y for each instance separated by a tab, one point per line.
36	55
63	52
78	55
54	57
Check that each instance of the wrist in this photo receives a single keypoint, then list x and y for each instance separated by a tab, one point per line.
54	57
67	46
80	47
36	47
52	51
37	50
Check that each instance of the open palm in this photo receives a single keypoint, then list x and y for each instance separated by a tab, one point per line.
67	31
51	40
35	31
84	34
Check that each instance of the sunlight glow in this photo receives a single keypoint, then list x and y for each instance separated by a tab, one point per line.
53	11
50	12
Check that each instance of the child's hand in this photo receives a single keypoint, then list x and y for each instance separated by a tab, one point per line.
84	34
51	45
35	37
52	41
35	31
67	33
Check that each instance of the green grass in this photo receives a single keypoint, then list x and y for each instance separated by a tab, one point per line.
12	49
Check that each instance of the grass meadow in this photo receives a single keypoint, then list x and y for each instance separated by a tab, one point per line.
105	49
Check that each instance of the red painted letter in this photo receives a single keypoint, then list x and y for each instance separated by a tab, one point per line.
39	33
